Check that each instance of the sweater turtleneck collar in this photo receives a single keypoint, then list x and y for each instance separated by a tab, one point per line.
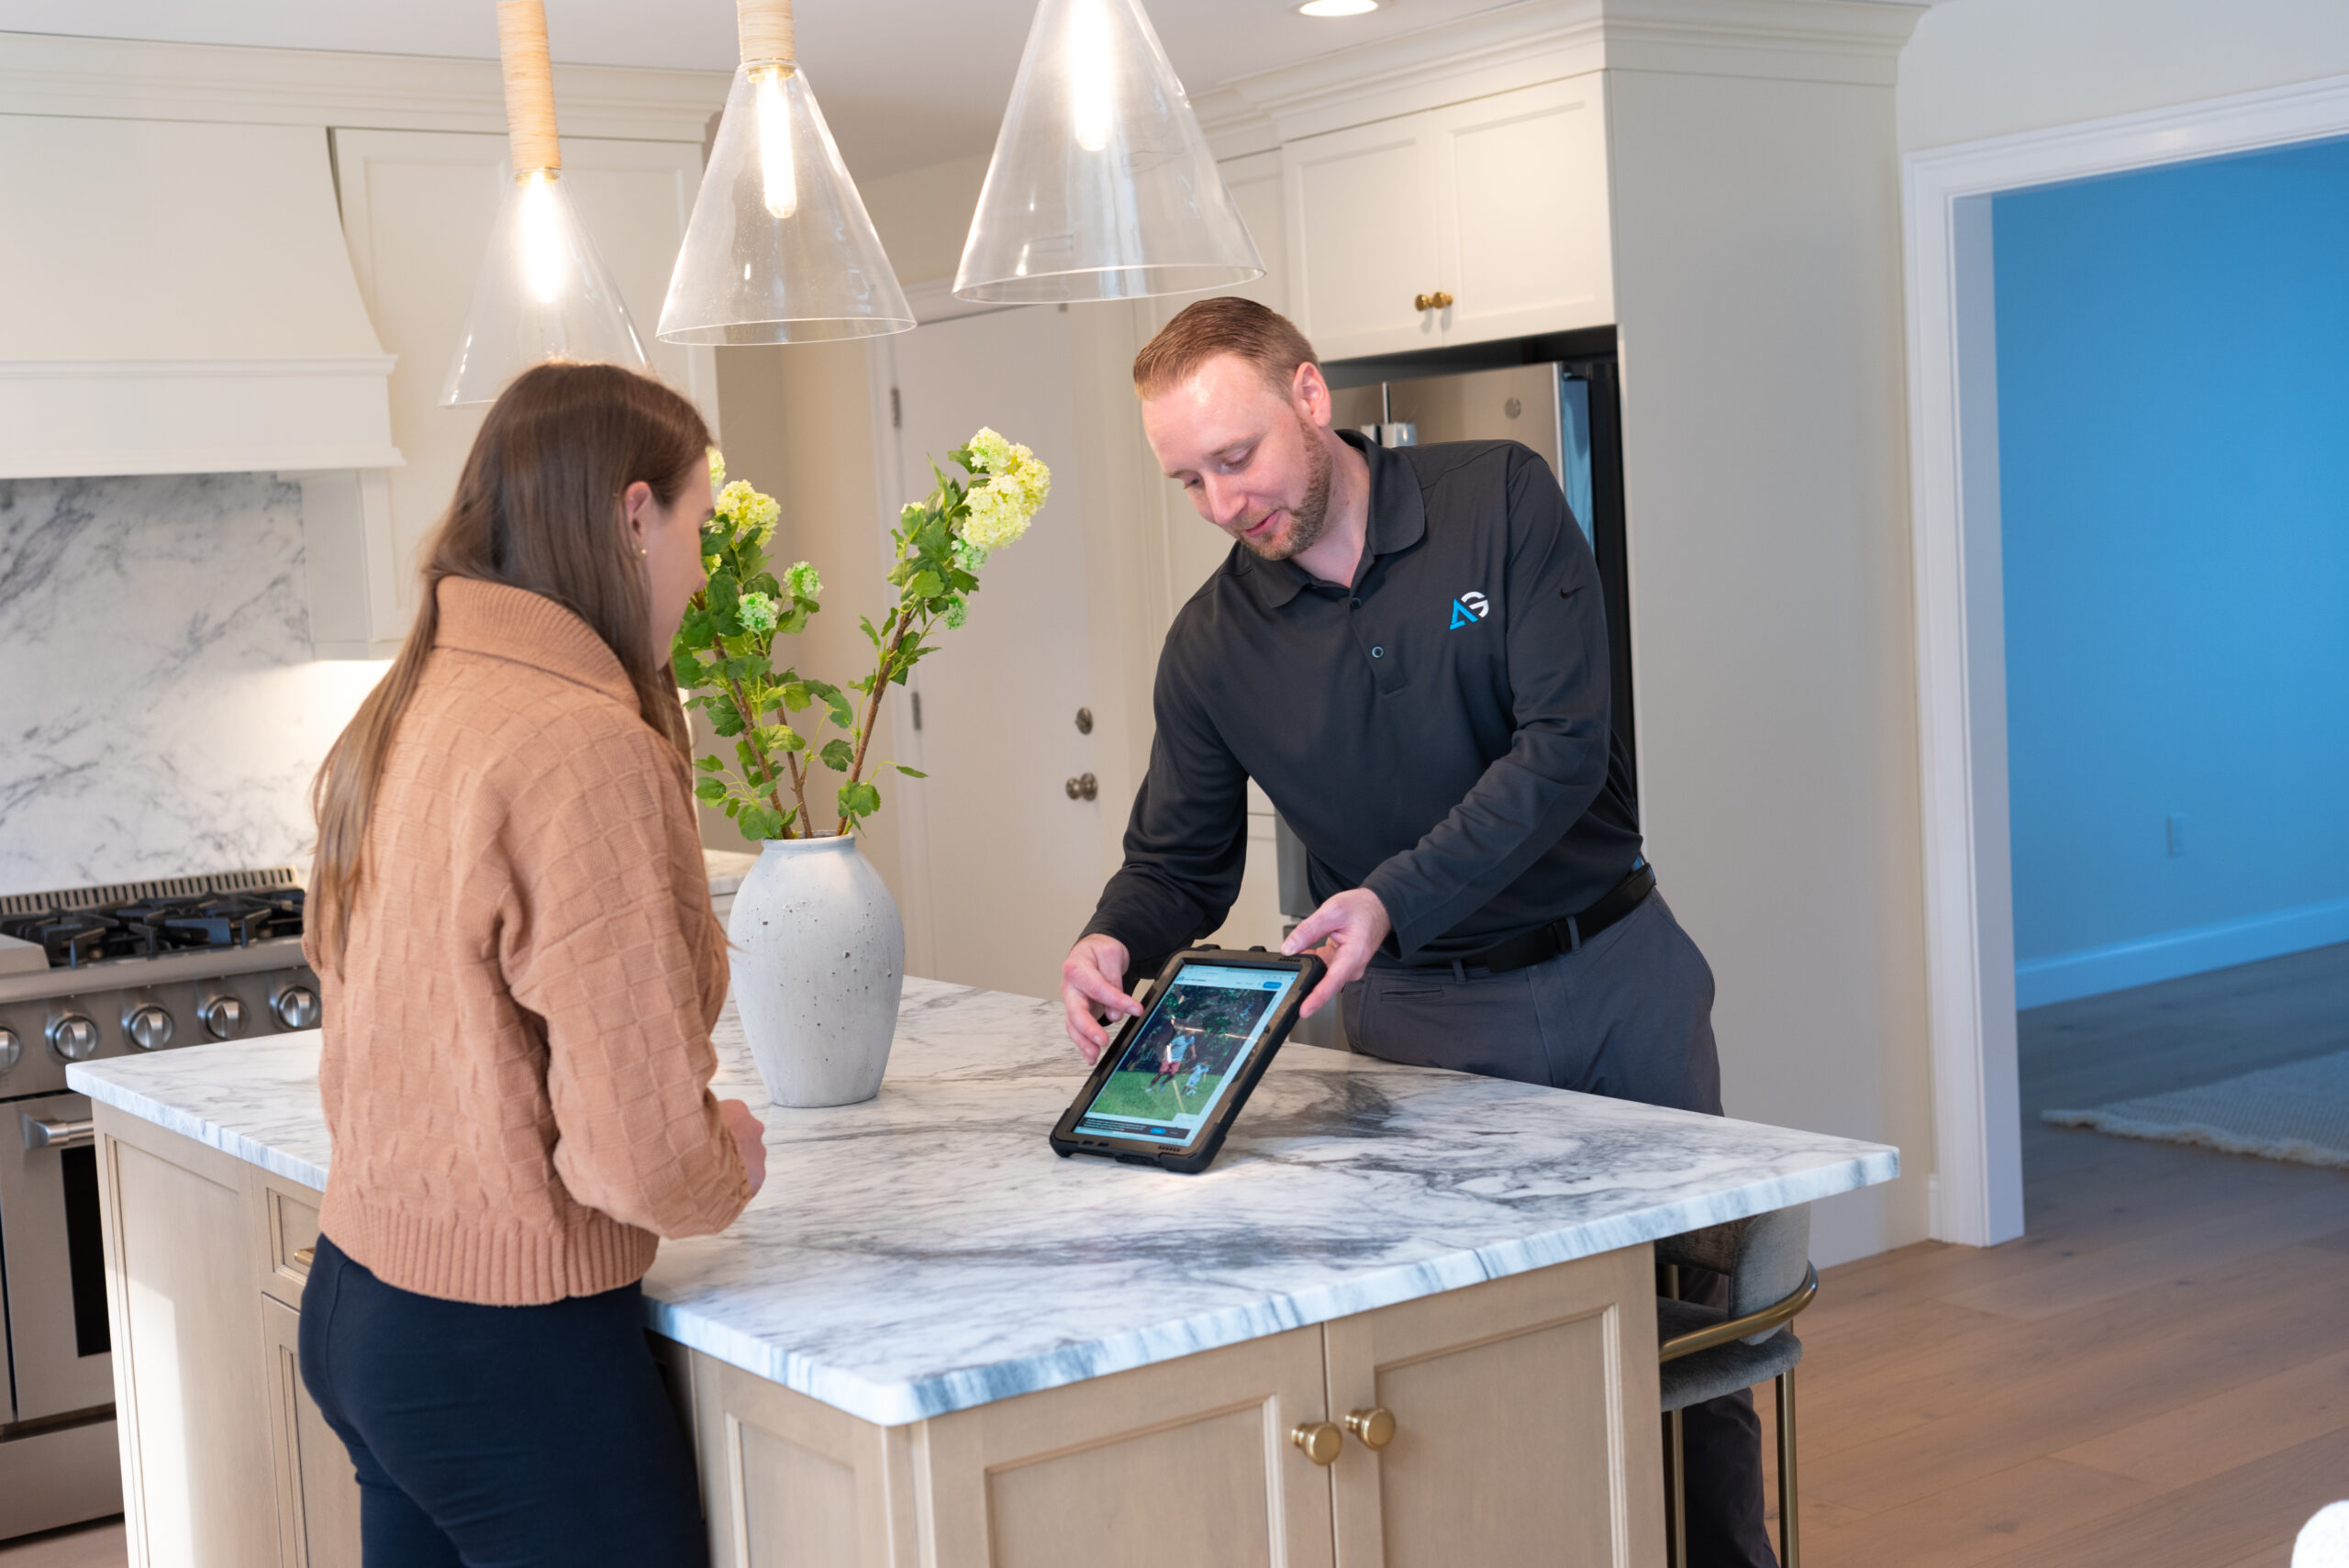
502	622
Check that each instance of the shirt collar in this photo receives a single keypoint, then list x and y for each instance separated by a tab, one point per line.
1398	519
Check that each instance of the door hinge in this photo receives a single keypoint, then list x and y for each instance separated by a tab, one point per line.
916	696
896	410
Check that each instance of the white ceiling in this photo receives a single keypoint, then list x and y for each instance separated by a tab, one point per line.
904	83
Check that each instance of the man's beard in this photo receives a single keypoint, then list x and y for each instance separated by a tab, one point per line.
1310	517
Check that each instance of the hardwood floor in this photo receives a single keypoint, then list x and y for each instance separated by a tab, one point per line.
2157	1375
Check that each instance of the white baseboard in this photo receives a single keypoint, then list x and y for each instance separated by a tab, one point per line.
2094	970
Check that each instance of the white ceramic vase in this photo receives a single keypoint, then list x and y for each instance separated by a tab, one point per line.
819	962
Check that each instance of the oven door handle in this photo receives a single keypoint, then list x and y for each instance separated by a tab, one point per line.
43	1133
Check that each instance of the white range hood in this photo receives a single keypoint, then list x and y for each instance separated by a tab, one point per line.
175	297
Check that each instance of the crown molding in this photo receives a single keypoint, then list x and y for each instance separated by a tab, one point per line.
43	73
1855	42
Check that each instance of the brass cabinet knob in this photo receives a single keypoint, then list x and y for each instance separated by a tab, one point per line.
1374	1426
1319	1440
1436	301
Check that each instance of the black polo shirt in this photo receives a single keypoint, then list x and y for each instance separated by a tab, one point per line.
1437	733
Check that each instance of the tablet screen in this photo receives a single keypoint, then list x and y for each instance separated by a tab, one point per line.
1182	1060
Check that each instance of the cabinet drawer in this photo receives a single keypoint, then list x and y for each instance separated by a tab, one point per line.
287	1217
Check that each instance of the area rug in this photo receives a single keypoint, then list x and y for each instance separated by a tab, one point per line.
2298	1113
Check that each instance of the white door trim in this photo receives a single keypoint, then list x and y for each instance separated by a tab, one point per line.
1961	658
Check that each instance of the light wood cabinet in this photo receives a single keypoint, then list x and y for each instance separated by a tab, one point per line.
189	1400
317	1494
1525	1433
1523	1409
416	207
1525	1427
1499	203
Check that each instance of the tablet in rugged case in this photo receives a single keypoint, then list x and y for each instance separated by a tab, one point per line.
1165	1091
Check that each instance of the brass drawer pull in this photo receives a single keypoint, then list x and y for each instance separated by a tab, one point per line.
1436	301
1322	1441
1374	1426
303	1255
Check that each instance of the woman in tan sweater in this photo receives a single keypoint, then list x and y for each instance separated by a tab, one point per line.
512	922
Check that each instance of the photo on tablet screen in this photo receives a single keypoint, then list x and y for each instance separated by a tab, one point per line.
1181	1061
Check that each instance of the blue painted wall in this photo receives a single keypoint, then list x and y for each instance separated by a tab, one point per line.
2174	484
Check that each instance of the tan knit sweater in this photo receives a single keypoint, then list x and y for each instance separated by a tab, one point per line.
518	1059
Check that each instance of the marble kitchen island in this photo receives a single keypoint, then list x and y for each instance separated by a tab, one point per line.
931	1341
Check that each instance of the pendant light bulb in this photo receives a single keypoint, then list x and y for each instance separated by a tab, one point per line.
542	257
782	183
779	249
542	291
1092	109
1102	185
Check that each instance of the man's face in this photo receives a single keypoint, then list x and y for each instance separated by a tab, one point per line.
1254	458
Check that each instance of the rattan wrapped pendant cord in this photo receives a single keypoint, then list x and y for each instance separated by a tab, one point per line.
542	291
779	249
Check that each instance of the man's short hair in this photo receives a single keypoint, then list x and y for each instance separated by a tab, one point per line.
1224	325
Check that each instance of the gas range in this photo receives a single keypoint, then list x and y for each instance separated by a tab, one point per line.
88	973
97	972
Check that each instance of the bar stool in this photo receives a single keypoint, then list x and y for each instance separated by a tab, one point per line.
1709	1352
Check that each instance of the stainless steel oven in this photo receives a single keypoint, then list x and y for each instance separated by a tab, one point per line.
94	973
59	1361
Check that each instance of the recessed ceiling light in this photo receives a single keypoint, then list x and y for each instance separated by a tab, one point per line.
1337	7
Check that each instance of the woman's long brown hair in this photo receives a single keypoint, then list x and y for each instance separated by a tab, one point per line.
538	507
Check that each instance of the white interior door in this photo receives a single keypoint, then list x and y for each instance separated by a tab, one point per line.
1008	871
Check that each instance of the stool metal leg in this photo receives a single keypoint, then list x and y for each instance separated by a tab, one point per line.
1790	1534
1676	1495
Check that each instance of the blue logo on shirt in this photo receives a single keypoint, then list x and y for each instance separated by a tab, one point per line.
1468	609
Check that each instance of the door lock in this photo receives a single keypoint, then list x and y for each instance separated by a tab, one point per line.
1084	786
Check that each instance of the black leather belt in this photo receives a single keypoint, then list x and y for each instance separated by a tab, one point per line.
1546	943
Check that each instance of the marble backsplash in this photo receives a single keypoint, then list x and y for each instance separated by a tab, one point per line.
160	713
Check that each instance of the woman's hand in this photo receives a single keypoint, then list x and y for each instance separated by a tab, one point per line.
749	1136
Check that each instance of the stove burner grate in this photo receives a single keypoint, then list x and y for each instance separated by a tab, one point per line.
147	927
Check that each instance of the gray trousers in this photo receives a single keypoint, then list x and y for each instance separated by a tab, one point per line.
1629	1014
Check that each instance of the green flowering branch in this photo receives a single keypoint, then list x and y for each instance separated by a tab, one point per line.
725	648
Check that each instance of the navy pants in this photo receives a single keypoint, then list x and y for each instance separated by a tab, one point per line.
500	1436
1629	1015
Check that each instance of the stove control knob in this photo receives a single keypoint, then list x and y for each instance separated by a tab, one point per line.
149	1026
12	1050
296	1007
73	1038
223	1017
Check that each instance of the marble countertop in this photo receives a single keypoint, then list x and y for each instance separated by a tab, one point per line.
926	1250
727	869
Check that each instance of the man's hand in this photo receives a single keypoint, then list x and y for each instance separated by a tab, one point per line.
749	1136
1345	931
1089	978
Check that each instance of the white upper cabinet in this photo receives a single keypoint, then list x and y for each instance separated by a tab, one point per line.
416	207
1464	224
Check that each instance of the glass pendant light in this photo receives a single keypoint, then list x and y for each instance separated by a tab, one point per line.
542	291
779	250
1102	185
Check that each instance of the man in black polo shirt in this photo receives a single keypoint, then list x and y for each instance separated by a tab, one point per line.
1407	652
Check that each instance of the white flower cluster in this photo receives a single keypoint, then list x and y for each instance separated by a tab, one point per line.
1016	488
803	580
757	612
752	515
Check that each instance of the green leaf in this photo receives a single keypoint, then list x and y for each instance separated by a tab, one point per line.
858	799
909	772
710	788
795	696
709	764
838	756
